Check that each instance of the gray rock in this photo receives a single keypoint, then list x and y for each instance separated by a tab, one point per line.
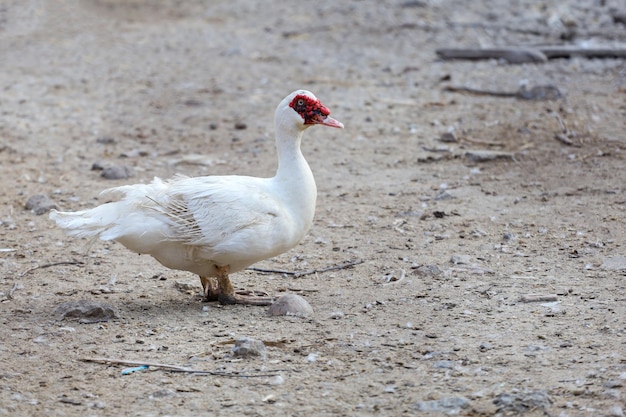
448	137
246	346
521	402
40	204
427	270
451	405
461	259
117	172
485	347
290	305
162	393
86	311
444	195
615	263
444	364
486	156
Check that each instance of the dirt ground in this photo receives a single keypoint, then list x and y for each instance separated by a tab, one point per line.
487	287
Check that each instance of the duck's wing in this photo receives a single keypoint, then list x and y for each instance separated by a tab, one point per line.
217	212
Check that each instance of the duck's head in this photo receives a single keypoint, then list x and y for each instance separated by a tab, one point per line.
302	109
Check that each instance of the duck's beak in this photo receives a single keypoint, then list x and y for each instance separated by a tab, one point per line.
329	121
326	121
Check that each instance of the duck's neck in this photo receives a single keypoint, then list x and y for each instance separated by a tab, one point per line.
294	178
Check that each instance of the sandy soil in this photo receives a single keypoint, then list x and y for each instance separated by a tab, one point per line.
435	320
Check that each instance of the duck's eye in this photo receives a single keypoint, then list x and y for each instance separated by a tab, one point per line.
300	102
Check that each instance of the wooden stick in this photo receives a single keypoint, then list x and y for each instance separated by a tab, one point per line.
533	298
570	51
518	55
173	368
308	271
109	361
540	92
77	263
514	54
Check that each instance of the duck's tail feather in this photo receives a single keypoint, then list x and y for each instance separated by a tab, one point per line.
91	223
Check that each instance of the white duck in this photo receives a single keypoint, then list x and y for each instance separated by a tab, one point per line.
216	225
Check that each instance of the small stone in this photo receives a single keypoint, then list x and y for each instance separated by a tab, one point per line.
336	315
427	270
614	383
86	311
97	404
117	172
291	305
451	405
162	393
105	140
508	236
522	402
444	364
246	346
485	347
461	259
40	204
241	126
615	263
444	195
486	155
277	380
448	137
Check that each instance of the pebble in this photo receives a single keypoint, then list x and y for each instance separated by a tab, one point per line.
522	402
486	156
291	305
105	140
448	137
444	195
450	405
485	347
444	364
117	172
615	263
247	346
461	259
86	311
508	236
427	270
614	383
336	315
277	380
40	204
162	393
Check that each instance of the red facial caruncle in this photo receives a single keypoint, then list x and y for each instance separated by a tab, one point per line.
311	110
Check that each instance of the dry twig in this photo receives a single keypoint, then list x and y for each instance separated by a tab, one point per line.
76	263
542	298
297	274
175	368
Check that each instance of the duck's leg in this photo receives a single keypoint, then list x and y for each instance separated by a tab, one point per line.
210	288
227	294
